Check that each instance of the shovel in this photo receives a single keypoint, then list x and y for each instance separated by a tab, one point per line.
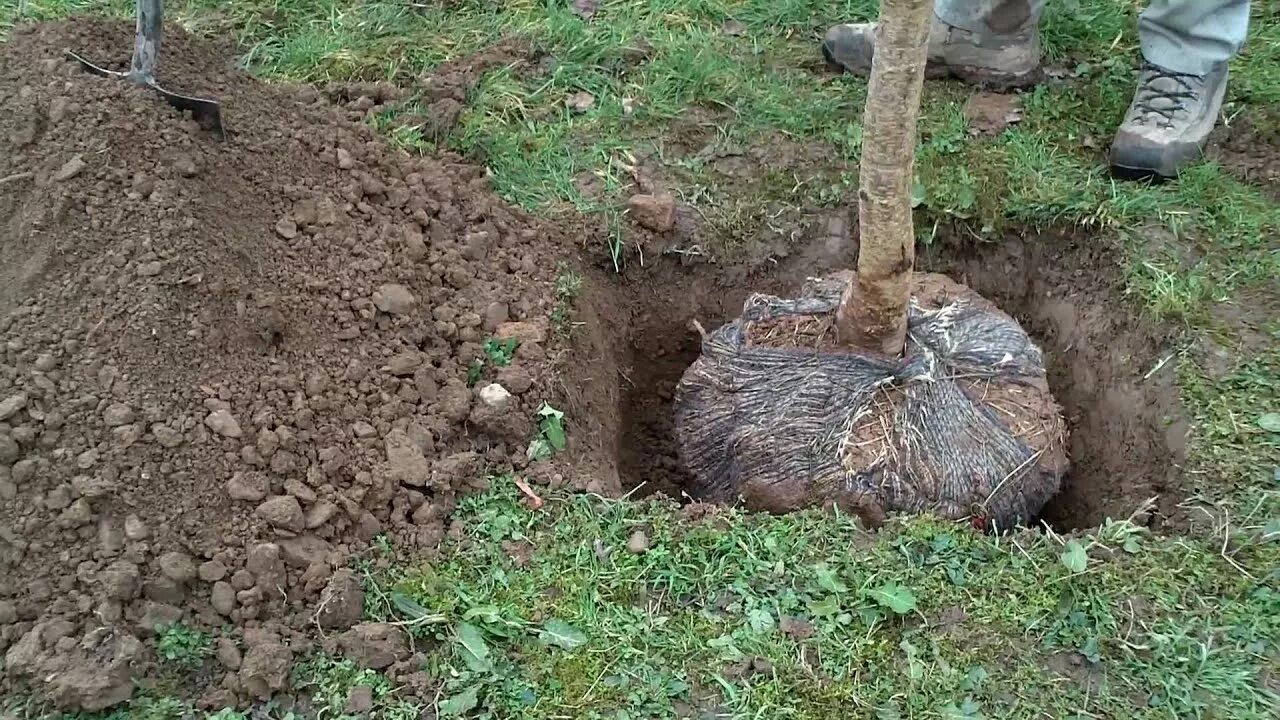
146	46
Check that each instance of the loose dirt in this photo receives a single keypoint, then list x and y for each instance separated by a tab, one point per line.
228	364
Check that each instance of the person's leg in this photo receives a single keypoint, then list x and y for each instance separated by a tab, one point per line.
1192	36
993	42
1186	45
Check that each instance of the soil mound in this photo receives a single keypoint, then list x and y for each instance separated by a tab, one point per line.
227	364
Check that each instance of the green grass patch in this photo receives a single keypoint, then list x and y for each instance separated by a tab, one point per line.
808	616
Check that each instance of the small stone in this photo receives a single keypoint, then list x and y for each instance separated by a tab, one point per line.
363	430
494	395
241	579
150	269
249	486
163	590
46	362
121	580
282	511
78	514
299	489
265	669
185	165
655	212
135	529
342	602
286	228
404	364
11	405
211	571
516	379
496	314
58	498
222	422
424	381
319	514
177	566
70	169
126	435
267	567
359	700
227	653
166	436
92	487
8	613
223	598
345	161
87	459
304	550
117	414
157	615
580	101
394	299
405	459
267	442
638	542
59	109
374	645
522	331
9	450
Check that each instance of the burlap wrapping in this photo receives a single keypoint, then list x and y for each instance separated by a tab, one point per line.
775	414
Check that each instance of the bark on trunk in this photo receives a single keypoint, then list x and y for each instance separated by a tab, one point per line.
873	311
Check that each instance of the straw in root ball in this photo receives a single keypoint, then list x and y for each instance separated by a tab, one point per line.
776	414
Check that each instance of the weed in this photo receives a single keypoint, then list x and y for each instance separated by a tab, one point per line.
183	645
551	436
568	287
499	352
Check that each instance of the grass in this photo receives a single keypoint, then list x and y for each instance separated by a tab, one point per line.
806	616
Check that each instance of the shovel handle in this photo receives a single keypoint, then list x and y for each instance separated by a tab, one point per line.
146	43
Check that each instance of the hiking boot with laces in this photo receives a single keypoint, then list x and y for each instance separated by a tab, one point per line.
1168	122
999	61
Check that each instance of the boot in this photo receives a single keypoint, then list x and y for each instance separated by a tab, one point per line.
999	61
1167	123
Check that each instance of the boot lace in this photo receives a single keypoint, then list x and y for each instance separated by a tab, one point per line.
1163	94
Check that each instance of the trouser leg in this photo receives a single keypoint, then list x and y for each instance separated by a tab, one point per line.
1192	36
984	17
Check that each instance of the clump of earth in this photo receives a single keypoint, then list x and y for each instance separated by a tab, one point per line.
228	364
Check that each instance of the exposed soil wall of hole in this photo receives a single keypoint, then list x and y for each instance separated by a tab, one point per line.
1128	433
1127	430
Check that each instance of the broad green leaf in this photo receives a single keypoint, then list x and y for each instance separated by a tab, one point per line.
559	632
553	431
825	607
760	620
1074	558
473	648
1270	422
547	411
894	597
408	606
462	703
539	449
829	580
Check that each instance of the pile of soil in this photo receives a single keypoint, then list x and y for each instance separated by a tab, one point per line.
227	364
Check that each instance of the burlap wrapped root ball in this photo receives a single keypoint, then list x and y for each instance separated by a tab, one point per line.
776	414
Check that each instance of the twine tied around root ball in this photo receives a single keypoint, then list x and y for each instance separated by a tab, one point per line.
963	426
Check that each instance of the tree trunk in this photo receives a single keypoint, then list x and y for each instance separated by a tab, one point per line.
873	310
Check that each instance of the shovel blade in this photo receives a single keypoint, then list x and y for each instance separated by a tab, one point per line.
208	113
